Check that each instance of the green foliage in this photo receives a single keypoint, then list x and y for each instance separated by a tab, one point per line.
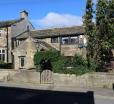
100	35
79	60
89	31
68	61
104	31
4	65
2	62
56	59
74	65
52	55
58	66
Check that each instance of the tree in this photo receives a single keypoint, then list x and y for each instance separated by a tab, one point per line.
104	32
111	20
89	28
100	35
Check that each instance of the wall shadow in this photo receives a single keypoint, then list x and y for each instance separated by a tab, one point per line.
11	95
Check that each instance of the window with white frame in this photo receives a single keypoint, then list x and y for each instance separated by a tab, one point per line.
70	40
65	40
2	55
74	40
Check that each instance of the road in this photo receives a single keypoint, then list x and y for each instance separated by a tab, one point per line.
104	100
101	96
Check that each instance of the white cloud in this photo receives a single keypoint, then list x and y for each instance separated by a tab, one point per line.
52	20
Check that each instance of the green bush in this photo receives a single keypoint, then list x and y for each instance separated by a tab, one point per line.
75	65
56	59
52	55
58	65
68	61
79	60
4	65
93	65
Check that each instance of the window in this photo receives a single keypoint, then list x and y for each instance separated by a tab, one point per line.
2	55
21	62
17	43
65	40
74	40
54	40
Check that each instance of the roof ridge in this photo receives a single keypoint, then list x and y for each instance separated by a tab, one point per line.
60	28
9	22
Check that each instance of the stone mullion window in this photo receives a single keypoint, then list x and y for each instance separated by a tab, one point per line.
2	55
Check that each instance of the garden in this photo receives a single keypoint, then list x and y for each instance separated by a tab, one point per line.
60	64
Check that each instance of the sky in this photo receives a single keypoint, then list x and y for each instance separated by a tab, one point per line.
45	13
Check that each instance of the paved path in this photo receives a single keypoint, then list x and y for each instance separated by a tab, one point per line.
102	96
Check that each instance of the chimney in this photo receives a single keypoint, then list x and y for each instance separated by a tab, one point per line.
24	14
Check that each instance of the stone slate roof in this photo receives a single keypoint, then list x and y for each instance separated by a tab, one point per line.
67	31
9	22
20	27
46	45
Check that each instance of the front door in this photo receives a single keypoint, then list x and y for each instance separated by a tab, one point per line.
22	62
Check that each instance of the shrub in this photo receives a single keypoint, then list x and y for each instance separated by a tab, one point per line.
4	65
77	64
52	55
68	61
79	60
58	66
56	59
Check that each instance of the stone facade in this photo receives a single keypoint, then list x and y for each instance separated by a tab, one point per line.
24	54
8	31
67	49
3	45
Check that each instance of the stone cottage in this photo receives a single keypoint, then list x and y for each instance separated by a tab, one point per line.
8	30
19	41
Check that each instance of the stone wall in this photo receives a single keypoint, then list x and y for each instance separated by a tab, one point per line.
104	80
26	77
7	74
94	80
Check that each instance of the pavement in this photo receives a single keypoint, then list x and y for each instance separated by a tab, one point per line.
101	95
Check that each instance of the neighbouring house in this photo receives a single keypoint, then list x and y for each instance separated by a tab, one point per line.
10	29
19	41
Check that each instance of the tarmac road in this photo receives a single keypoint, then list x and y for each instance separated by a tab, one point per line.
75	95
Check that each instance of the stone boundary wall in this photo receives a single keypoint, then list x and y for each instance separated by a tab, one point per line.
94	80
6	74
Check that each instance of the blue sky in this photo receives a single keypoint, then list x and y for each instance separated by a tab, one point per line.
45	13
